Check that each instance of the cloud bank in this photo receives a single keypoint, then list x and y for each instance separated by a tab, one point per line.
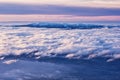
45	42
57	10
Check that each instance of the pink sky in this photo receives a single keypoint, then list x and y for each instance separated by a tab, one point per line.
57	18
59	10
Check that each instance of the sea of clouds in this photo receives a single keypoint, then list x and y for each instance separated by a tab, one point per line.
52	42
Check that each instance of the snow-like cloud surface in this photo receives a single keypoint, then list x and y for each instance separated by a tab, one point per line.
74	43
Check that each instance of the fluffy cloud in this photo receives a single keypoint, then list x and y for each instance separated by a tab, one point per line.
58	42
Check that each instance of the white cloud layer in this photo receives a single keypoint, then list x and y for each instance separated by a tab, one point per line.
75	43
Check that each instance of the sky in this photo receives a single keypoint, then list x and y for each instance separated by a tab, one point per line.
60	10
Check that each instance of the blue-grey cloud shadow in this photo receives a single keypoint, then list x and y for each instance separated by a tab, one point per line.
57	10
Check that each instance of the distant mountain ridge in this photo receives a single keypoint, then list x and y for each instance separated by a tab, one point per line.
65	25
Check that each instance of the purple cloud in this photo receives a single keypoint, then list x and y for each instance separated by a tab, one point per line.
57	10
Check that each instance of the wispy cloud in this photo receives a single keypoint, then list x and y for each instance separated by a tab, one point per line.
57	10
93	3
62	18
